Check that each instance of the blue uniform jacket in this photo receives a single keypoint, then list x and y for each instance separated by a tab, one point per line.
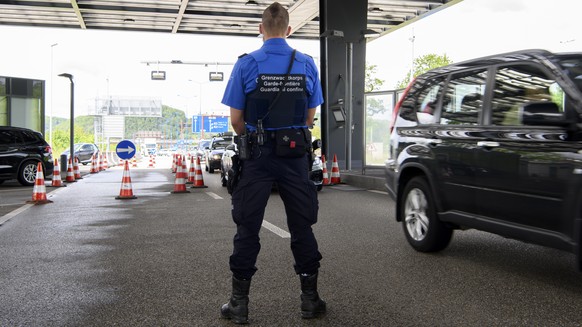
243	79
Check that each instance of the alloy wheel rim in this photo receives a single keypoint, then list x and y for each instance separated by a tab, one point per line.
415	214
30	173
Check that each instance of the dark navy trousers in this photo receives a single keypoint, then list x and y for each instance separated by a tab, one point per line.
249	200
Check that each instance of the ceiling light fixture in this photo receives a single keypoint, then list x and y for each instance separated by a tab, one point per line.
370	33
251	3
376	10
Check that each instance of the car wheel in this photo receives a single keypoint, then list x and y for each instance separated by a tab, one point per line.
422	228
27	173
319	187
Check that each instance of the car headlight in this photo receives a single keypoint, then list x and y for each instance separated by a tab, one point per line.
216	157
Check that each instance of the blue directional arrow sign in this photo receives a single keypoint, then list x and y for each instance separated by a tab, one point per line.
125	149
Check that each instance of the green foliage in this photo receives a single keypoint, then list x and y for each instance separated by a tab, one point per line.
61	135
372	83
423	64
172	124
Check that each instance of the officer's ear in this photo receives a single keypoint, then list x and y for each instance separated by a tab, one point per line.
288	31
261	29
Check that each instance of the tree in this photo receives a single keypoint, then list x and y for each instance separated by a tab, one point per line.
423	64
372	83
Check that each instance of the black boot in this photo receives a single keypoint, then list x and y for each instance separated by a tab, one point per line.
311	305
237	308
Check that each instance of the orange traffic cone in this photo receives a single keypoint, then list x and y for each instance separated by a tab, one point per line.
151	164
174	160
100	161
126	191
198	178
57	182
39	190
180	182
326	180
76	170
105	162
192	171
94	168
133	162
335	173
70	175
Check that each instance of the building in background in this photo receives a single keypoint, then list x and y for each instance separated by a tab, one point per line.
110	113
22	103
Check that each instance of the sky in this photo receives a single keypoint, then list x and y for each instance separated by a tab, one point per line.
111	62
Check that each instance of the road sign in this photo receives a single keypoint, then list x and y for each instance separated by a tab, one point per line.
215	124
196	124
209	124
125	149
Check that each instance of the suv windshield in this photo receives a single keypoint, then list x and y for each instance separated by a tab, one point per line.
219	144
572	66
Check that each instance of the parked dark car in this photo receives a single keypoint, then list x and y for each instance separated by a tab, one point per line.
493	144
84	151
21	150
215	150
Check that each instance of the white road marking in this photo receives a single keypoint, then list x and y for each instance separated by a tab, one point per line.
276	230
214	195
13	213
379	192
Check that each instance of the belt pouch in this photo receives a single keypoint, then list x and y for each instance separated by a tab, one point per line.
290	143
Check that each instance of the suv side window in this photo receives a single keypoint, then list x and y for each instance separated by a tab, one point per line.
463	98
8	138
29	137
517	85
426	104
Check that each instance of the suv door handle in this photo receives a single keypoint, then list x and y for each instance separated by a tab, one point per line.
487	144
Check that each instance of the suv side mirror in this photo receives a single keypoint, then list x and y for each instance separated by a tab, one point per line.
316	144
541	113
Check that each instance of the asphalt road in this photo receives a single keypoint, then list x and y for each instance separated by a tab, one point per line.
162	260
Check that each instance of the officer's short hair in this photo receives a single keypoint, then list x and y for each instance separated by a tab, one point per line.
276	19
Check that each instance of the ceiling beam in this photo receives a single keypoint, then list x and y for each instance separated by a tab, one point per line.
302	12
78	13
183	7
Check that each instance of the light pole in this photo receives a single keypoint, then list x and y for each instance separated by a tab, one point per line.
201	119
51	111
72	126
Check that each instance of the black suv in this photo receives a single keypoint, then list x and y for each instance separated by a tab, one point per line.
493	144
215	149
21	150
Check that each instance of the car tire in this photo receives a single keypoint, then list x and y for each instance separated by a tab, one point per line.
27	173
319	187
422	228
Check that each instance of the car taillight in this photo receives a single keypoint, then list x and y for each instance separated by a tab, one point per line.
397	107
